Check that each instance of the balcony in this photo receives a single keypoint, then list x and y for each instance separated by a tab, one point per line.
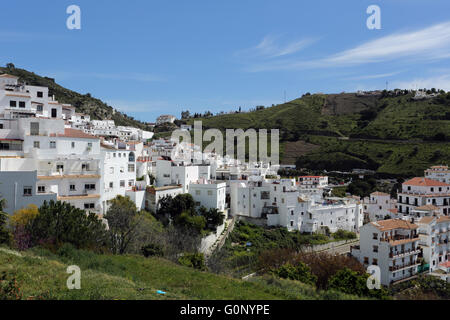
400	237
404	253
405	266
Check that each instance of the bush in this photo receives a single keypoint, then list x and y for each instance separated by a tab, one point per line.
300	272
193	260
352	282
151	250
9	289
344	235
58	223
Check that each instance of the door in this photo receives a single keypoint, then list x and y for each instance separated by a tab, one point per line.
54	113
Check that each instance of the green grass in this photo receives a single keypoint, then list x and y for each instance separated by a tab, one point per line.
41	273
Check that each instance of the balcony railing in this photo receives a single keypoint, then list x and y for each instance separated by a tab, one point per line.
404	253
400	267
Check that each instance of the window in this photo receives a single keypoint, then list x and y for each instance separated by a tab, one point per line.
85	166
120	155
72	187
73	145
131	168
59	167
210	193
292	223
1	125
52	144
111	185
13	104
54	113
36	144
122	170
122	183
197	192
40	94
375	236
41	189
114	155
89	206
21	104
375	262
89	186
366	260
111	170
375	248
27	191
130	183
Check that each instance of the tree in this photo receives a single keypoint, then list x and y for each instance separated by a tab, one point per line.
122	217
300	272
19	221
213	216
353	282
10	66
60	222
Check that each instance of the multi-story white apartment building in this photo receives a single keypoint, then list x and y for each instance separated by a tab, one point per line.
420	191
434	233
438	173
282	204
379	205
209	194
169	172
119	170
393	245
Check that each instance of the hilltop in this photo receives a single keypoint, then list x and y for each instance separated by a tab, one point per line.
41	274
84	103
389	133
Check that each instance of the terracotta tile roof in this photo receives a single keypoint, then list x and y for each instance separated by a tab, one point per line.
445	264
394	210
74	133
426	220
443	219
419	181
385	225
427	207
378	193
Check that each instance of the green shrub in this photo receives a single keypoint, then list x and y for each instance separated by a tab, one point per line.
300	272
193	260
151	250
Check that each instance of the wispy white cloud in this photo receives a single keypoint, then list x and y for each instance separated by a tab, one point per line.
271	47
428	44
374	76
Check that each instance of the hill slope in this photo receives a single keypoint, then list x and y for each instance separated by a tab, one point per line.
42	274
391	134
96	108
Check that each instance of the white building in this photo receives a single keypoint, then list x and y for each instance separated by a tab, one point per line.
393	245
209	194
438	173
420	191
434	233
379	205
282	204
155	194
165	118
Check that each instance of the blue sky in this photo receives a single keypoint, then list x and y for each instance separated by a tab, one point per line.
146	58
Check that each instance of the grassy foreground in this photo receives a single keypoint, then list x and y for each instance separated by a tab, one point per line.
40	273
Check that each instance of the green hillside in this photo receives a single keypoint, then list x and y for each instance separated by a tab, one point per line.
97	109
42	275
388	133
